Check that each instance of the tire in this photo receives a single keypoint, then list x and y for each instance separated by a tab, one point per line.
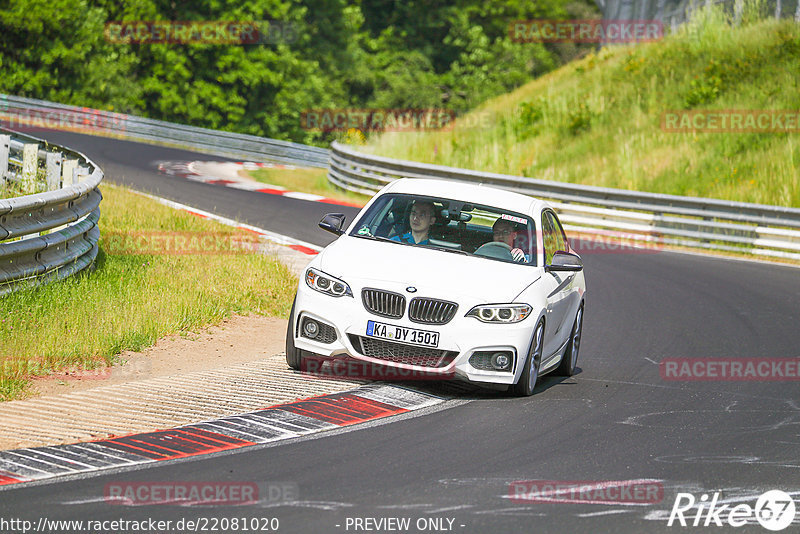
527	381
294	356
570	359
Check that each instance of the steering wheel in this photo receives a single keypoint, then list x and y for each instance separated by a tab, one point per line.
495	249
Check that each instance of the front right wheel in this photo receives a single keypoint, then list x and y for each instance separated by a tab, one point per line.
527	381
570	359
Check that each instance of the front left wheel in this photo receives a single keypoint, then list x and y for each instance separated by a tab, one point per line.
527	381
294	356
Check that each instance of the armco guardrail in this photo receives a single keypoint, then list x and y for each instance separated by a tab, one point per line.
52	234
677	12
629	215
28	111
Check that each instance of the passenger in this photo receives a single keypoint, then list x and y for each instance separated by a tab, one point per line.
420	220
506	232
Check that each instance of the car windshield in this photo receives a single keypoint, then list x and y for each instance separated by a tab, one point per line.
452	226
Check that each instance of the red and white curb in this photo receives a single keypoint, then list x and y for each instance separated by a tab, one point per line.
279	239
227	174
284	421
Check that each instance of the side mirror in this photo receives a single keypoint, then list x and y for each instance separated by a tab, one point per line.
565	261
333	222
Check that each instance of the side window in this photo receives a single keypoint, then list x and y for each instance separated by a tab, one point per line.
561	237
549	238
526	240
393	220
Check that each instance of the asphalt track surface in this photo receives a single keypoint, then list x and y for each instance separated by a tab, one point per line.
617	419
136	165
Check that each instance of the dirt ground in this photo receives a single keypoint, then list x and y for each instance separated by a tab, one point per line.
235	340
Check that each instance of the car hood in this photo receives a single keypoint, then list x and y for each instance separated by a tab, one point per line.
362	262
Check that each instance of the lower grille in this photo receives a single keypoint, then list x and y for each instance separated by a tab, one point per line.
401	353
481	360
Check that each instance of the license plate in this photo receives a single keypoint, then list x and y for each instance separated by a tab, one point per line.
425	338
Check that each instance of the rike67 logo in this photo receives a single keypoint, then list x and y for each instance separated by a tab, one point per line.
774	510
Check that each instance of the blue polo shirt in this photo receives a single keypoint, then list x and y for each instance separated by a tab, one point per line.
408	237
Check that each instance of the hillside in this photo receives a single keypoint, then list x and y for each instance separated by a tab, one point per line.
598	120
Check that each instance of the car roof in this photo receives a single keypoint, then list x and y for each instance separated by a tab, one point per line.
468	192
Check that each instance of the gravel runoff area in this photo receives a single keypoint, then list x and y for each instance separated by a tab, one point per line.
237	366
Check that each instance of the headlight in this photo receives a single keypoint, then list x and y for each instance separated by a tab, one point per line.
500	313
325	283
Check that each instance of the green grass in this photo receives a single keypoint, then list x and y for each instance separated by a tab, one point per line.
12	189
306	180
130	301
597	121
9	189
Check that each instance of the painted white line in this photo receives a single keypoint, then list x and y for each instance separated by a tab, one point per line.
64	459
450	509
605	512
20	453
272	236
247	186
119	457
303	196
227	174
275	428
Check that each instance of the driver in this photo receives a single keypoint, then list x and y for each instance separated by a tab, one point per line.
420	220
506	232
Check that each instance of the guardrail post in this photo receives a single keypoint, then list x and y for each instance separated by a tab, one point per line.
41	240
53	171
68	168
738	9
30	167
778	9
5	142
797	13
81	174
707	219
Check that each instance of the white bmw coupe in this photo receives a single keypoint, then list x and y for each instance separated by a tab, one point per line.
444	279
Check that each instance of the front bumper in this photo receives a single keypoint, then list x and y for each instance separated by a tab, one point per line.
461	337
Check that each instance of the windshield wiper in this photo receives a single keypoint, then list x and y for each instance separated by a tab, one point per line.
375	237
445	249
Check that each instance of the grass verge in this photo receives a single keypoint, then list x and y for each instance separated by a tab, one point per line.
9	189
597	121
306	180
131	300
